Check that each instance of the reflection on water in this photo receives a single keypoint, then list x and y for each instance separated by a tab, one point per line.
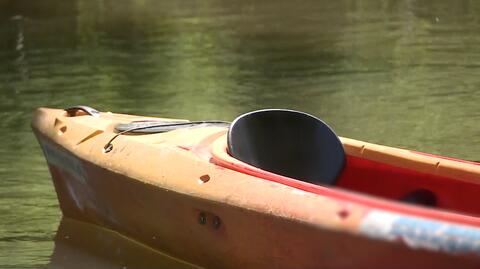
402	73
81	245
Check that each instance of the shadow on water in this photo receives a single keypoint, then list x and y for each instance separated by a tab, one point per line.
82	245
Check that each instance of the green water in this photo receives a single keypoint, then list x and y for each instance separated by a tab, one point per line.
401	73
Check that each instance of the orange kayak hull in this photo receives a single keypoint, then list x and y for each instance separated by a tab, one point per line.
169	191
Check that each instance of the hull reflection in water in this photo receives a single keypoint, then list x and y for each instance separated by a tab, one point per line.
82	245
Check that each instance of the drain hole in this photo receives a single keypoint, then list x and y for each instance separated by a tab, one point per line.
204	179
343	214
62	130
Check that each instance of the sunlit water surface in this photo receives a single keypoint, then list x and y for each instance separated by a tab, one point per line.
401	73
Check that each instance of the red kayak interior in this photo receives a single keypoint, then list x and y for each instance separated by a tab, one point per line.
384	180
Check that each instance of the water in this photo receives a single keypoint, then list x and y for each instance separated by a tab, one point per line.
401	73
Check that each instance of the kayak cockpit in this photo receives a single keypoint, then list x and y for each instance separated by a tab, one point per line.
382	172
394	174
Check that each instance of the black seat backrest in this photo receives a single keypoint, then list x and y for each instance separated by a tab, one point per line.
288	143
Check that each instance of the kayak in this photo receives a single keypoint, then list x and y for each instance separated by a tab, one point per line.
275	188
